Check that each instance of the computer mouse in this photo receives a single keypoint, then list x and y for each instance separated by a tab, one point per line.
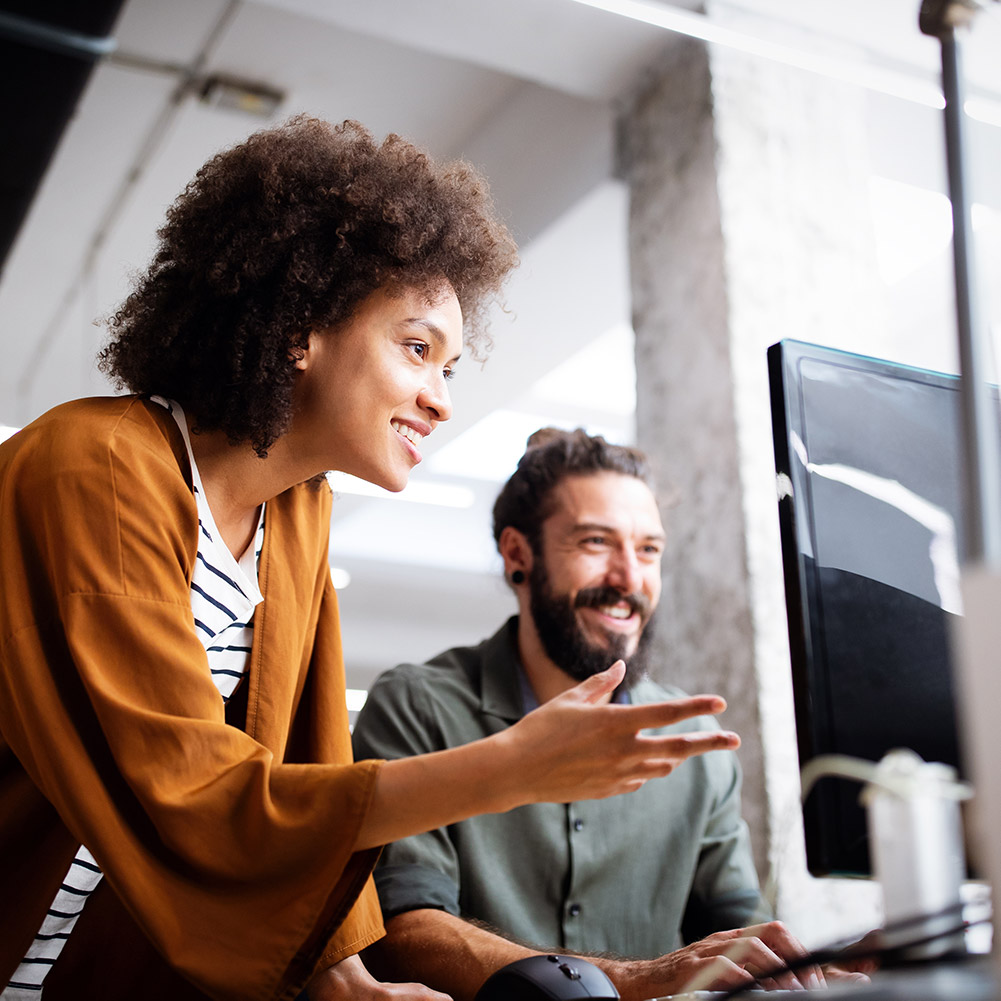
548	978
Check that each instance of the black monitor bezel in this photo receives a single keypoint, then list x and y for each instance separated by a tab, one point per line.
823	815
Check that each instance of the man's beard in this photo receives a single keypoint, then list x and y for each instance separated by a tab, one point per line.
564	641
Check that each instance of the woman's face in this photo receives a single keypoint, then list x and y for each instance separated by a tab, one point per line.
371	389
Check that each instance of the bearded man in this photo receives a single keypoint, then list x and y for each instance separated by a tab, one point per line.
625	881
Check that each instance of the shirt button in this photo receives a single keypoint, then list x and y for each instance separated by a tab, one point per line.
574	910
578	824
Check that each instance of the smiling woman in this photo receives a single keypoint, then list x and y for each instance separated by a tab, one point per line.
380	381
180	815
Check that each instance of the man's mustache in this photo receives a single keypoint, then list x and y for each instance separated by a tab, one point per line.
595	597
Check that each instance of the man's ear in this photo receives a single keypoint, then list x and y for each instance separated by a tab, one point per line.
515	551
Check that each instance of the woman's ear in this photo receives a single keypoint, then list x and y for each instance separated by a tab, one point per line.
516	553
301	354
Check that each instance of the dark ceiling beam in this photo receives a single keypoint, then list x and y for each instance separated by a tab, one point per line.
48	49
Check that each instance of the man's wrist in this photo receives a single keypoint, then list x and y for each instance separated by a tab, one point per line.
632	978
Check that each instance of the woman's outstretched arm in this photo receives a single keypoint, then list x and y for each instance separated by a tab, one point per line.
573	747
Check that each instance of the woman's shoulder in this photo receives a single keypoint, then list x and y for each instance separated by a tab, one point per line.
96	496
111	420
124	439
88	427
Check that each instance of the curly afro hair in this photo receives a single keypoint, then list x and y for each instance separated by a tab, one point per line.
285	234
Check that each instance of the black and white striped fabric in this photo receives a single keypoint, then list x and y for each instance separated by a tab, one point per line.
224	594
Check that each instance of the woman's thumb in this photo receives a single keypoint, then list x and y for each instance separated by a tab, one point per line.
595	688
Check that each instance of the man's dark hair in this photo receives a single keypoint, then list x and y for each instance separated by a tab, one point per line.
286	234
552	455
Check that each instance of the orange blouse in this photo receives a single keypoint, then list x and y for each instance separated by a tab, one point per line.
227	854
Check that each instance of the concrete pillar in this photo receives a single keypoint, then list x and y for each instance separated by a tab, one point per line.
748	224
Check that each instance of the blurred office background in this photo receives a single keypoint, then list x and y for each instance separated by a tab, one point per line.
680	204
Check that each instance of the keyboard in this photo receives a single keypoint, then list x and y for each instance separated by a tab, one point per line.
968	980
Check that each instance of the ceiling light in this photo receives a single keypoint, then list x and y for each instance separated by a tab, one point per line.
6	431
235	94
491	448
599	377
416	491
340	578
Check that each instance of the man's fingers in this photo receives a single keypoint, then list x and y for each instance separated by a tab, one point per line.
788	950
757	958
717	973
791	950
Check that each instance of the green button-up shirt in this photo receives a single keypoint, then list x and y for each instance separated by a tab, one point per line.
635	875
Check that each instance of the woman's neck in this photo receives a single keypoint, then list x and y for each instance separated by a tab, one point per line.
236	482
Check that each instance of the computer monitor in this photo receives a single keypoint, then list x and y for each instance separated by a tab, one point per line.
868	465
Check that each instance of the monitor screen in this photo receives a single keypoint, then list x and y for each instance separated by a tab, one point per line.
868	463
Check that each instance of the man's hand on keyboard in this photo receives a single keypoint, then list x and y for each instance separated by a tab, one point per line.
721	961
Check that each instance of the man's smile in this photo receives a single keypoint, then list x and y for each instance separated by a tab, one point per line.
620	617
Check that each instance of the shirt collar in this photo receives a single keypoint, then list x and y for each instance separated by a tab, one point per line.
500	693
505	690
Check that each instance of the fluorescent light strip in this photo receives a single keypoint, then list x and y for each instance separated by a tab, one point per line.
419	492
891	82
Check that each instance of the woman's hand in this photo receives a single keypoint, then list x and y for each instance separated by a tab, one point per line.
575	747
572	747
348	980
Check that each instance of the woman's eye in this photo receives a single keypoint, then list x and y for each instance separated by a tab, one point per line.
419	348
449	373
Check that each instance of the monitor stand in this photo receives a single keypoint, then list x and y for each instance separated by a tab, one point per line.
916	842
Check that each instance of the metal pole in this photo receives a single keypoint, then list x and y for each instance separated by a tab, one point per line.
981	443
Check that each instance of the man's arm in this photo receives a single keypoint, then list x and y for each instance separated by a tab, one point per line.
725	892
455	956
